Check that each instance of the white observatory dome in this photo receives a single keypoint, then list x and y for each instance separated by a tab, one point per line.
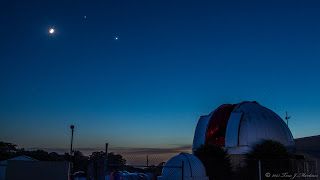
191	166
238	127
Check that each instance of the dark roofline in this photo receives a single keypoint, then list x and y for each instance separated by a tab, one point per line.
308	137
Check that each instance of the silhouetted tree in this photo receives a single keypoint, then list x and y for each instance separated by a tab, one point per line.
97	155
53	156
267	150
7	150
115	161
7	147
216	161
272	155
80	162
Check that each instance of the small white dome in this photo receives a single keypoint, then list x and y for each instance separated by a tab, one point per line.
191	166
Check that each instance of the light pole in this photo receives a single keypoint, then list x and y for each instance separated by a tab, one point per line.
71	151
72	130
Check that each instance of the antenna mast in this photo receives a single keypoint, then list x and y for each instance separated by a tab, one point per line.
287	118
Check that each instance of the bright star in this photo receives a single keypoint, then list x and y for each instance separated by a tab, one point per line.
116	38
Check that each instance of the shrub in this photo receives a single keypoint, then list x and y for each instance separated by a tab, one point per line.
216	161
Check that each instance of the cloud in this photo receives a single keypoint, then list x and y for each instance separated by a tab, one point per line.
178	149
131	150
139	156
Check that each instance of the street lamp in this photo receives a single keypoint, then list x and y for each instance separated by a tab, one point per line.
71	151
72	130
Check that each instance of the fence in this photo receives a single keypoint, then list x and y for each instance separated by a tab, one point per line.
146	172
280	169
147	168
152	167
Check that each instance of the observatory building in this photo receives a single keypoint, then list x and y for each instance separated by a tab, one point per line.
184	166
238	127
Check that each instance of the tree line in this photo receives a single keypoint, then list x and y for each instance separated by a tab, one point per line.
80	161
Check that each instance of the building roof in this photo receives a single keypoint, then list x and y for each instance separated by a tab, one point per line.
192	167
18	158
22	158
309	146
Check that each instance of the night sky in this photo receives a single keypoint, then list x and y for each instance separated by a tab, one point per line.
139	73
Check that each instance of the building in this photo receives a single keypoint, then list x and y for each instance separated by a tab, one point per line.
183	166
309	147
238	127
24	167
4	164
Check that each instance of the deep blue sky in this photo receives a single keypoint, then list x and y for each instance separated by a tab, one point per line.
173	62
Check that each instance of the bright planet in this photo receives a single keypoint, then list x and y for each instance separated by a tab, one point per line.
51	30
